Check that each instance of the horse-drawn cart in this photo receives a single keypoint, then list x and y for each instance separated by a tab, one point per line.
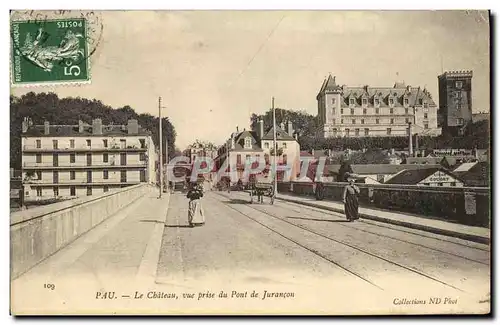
261	189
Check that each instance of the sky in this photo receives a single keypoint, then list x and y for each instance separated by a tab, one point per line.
213	69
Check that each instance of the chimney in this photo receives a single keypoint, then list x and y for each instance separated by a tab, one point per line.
80	126
237	129
260	129
46	126
25	125
290	128
97	126
132	127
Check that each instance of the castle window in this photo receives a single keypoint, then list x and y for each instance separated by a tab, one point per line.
356	132
346	132
342	121
425	116
377	121
391	101
352	111
333	121
392	121
406	102
426	125
353	121
391	110
377	110
407	120
341	111
426	105
334	101
406	111
362	121
266	145
376	101
458	85
420	101
367	131
365	102
460	121
351	101
364	111
389	131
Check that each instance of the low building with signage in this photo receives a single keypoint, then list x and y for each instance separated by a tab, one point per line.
437	176
377	173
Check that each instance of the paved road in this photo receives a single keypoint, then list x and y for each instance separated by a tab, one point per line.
289	243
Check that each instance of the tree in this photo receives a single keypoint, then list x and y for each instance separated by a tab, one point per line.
303	123
43	107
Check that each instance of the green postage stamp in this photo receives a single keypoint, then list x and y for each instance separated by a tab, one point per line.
49	52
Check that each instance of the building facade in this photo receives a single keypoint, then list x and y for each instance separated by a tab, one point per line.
199	149
455	100
375	111
65	161
257	145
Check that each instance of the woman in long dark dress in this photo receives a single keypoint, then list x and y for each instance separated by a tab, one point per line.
351	202
196	214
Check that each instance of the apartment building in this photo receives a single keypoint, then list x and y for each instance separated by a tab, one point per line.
375	111
64	161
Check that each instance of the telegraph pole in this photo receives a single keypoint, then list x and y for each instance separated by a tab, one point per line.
275	149
161	149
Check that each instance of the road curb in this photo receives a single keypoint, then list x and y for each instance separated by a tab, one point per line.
149	264
439	231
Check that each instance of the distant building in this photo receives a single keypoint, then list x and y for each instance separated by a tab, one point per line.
436	176
474	174
375	111
199	149
258	145
455	101
65	161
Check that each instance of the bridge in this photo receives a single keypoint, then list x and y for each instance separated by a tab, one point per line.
100	254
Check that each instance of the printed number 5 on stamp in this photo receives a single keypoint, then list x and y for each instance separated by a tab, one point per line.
52	52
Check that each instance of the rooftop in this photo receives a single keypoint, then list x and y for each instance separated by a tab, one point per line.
84	130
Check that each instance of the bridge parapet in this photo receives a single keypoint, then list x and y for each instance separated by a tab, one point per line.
466	205
37	233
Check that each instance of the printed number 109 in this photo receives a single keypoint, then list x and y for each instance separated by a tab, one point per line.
69	24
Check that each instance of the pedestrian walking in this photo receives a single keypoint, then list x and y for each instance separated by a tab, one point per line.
351	201
196	214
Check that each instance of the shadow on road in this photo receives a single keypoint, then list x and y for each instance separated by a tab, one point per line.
237	201
313	219
177	226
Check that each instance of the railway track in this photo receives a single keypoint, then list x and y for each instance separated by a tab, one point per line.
354	247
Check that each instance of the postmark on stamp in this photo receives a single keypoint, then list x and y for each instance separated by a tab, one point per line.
53	50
